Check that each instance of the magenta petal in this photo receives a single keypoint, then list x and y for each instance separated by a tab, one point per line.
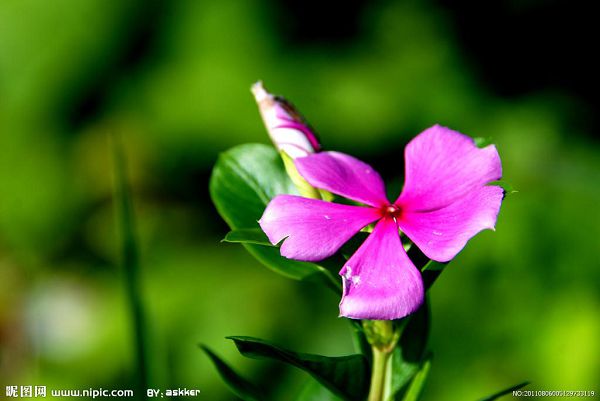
343	175
380	281
286	127
442	233
442	166
313	229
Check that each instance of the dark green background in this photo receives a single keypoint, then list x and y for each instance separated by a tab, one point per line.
173	79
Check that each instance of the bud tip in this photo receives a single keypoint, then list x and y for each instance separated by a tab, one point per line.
259	91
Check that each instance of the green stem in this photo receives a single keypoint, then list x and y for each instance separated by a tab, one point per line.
378	374
383	335
131	266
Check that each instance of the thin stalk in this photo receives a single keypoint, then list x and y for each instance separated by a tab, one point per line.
131	265
379	374
383	335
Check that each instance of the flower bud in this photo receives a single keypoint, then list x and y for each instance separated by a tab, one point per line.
287	129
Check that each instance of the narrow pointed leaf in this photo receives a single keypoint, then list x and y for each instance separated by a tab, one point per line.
432	265
430	269
505	392
248	236
130	263
346	376
431	272
314	391
415	388
408	355
238	385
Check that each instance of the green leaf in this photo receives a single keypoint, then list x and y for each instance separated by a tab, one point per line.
408	355
431	271
346	376
508	189
248	236
432	265
238	385
505	392
415	388
360	340
482	142
314	391
244	180
352	245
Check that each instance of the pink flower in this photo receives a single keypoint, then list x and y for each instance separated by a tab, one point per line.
445	201
287	129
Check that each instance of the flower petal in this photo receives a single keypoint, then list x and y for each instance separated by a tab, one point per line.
380	281
313	229
343	175
442	166
287	129
440	234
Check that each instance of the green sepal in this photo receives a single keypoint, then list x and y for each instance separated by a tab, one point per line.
383	334
326	195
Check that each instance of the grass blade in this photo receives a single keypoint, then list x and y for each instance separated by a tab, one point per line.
130	263
505	392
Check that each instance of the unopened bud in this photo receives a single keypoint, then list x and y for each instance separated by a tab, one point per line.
287	129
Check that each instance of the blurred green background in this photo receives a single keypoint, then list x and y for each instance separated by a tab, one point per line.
173	78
